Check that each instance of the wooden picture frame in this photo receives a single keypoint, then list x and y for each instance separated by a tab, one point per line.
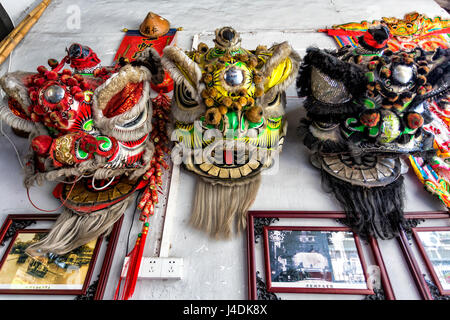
267	217
16	224
426	257
272	288
38	289
411	259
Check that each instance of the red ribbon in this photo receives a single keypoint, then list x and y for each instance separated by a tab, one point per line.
368	38
83	63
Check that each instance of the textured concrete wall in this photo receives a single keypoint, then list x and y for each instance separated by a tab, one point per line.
213	269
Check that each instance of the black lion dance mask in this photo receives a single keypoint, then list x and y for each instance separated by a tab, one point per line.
365	110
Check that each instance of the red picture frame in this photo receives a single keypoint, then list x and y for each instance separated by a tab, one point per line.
271	288
409	256
50	291
104	270
251	264
426	258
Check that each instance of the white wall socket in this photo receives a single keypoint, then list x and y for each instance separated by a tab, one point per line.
157	268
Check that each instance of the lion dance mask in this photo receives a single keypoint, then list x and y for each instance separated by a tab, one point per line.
90	133
366	108
228	109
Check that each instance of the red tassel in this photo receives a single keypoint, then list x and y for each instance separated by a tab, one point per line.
131	258
135	259
137	264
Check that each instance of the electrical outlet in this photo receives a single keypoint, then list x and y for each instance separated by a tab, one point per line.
157	268
150	268
172	268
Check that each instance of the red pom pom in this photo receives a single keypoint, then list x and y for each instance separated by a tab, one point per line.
75	90
72	82
34	117
37	109
63	124
39	81
42	69
51	75
29	82
79	96
415	120
67	72
34	95
65	77
78	77
370	119
41	144
84	85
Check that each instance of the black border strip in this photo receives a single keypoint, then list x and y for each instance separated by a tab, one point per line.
6	25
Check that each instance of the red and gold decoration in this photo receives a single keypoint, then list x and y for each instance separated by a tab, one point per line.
414	30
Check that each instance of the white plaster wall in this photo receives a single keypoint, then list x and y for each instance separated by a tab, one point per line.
17	9
213	269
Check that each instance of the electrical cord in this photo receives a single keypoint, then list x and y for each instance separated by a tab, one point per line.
12	143
138	196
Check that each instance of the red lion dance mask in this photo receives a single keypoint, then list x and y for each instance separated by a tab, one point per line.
90	133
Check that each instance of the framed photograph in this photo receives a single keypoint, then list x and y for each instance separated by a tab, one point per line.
69	274
312	255
434	245
314	260
427	253
62	274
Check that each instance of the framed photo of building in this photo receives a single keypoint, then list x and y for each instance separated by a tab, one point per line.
314	260
426	252
434	246
312	255
68	274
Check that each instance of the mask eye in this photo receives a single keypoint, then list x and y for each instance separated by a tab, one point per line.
234	77
183	97
403	74
275	101
75	51
54	94
85	52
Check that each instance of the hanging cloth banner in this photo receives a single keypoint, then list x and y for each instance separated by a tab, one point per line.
414	30
133	43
